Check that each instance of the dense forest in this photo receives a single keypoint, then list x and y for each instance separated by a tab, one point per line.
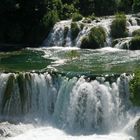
29	21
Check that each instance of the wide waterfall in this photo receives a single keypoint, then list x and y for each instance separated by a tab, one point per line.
59	91
61	33
78	105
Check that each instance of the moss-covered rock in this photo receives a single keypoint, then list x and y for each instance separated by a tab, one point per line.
118	27
74	30
136	33
76	17
135	89
95	39
135	43
85	43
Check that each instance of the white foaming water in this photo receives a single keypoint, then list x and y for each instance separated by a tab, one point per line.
79	108
61	33
50	133
57	37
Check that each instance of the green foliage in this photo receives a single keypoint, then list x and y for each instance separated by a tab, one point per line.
73	54
124	5
95	39
55	5
105	7
136	33
74	30
23	21
76	17
68	10
30	21
135	89
50	19
136	6
118	26
86	7
135	43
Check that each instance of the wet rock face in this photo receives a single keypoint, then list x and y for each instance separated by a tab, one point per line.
137	129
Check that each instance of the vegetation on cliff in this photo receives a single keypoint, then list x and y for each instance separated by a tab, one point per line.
29	22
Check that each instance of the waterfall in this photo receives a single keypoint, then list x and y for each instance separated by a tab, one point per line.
97	106
61	33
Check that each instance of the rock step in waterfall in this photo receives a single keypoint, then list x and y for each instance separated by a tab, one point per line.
70	103
61	33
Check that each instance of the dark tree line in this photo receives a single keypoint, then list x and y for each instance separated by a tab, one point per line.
29	21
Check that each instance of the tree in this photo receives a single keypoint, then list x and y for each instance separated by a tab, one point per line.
124	5
105	7
86	7
136	6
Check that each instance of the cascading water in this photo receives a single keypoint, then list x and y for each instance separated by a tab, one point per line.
53	106
61	33
76	105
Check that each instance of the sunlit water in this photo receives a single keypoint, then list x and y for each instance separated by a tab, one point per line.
69	108
50	133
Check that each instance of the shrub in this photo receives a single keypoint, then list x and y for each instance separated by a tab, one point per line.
68	11
118	26
95	39
135	43
74	30
136	6
76	17
135	89
50	19
136	33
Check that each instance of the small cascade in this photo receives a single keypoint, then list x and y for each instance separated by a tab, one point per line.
132	25
80	103
61	33
123	43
